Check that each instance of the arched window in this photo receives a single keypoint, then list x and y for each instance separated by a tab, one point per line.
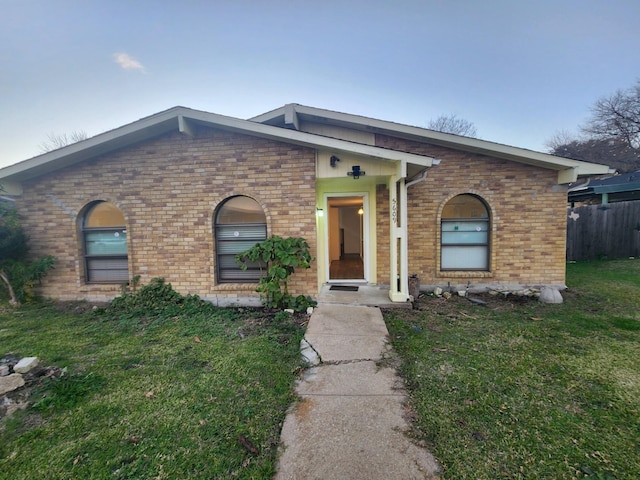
465	234
105	244
240	223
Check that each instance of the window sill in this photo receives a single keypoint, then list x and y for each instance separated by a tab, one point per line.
464	274
225	287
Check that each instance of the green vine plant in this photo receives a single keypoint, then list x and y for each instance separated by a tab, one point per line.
19	274
278	258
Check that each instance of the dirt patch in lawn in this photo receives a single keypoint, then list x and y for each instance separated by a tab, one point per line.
457	307
20	398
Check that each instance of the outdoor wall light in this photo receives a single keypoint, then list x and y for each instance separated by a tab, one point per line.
356	172
361	211
319	212
333	160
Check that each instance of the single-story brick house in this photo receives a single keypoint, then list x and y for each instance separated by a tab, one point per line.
177	194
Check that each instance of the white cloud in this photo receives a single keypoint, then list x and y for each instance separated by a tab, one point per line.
127	62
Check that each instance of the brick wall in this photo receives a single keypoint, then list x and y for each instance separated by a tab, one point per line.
527	210
383	233
168	189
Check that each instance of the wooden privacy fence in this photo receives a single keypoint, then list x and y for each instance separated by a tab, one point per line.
603	231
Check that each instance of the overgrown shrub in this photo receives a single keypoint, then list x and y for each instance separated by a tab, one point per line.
157	299
281	257
18	274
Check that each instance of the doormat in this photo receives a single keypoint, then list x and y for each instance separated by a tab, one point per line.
344	288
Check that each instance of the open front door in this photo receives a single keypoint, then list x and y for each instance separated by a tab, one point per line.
347	245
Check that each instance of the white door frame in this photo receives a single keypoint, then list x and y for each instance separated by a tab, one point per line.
365	236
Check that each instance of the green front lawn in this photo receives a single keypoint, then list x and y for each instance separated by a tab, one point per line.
199	394
519	389
513	389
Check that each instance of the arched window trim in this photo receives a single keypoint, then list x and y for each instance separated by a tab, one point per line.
105	249
469	237
232	238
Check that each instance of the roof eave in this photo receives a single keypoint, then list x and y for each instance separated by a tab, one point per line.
181	119
311	140
629	187
95	146
569	170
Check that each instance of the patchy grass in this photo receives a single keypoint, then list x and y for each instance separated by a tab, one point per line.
194	394
518	389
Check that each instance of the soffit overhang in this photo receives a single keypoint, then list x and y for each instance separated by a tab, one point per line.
183	119
568	170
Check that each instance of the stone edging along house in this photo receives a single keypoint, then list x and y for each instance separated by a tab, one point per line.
178	194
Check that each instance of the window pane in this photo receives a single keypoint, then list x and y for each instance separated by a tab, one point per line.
465	206
244	232
240	210
449	226
452	238
240	224
106	242
104	214
236	275
465	232
465	258
229	270
229	261
113	242
234	247
111	270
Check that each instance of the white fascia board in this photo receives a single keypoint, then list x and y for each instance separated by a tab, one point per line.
178	119
307	139
568	175
291	117
273	114
475	145
94	146
184	126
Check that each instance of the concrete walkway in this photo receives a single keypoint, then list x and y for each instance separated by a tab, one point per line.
349	422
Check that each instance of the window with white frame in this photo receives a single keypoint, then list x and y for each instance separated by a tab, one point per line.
105	244
240	223
465	227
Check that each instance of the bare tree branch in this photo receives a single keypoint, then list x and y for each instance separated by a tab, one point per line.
609	151
453	124
617	116
560	139
55	141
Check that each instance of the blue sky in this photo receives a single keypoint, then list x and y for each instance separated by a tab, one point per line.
521	71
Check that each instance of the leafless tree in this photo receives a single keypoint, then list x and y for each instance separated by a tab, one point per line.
611	151
453	124
617	116
610	136
560	139
55	141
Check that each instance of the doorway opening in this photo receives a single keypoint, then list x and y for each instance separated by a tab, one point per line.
346	238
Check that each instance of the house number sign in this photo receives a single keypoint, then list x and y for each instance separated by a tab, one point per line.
394	211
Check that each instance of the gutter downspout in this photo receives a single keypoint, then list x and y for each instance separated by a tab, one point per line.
423	175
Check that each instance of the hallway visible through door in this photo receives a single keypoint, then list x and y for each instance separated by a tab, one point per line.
346	238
